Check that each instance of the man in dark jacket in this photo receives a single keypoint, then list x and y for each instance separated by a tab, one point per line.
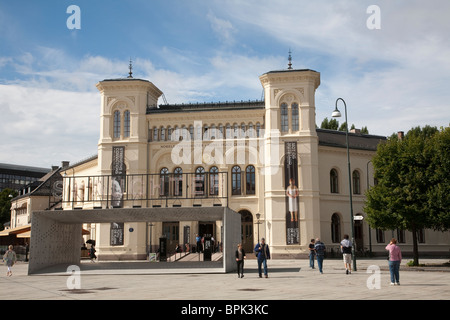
263	254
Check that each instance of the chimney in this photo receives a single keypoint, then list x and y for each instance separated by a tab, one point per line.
357	131
65	164
400	135
54	168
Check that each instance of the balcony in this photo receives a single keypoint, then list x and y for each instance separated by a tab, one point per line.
145	190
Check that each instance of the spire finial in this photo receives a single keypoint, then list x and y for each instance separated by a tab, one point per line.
290	60
130	74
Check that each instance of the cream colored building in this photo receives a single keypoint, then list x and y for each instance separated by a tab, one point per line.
243	155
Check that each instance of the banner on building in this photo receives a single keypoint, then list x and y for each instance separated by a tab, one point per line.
118	176
291	187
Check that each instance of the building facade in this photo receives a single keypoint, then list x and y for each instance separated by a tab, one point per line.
263	159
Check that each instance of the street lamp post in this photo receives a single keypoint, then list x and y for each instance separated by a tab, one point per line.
336	114
258	215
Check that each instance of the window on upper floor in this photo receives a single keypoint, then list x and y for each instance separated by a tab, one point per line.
356	182
334	181
116	124
294	116
250	180
236	180
126	124
284	117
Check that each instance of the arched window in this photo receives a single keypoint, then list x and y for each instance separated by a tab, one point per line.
236	180
214	181
335	228
295	120
228	131
164	182
163	134
199	183
284	118
178	181
250	180
356	182
126	124
334	181
117	124
169	133
155	134
191	131
258	130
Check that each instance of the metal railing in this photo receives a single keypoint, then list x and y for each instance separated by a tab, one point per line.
146	190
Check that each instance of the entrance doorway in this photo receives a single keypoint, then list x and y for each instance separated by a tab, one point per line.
359	234
172	232
247	230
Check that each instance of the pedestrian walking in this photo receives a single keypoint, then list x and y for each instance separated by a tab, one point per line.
263	254
240	256
312	254
346	249
395	258
10	259
92	252
319	247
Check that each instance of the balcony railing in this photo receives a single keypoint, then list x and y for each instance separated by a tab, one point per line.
145	190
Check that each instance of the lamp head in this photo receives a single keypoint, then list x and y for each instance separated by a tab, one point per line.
336	113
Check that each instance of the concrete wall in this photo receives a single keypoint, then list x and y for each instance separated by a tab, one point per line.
53	243
56	235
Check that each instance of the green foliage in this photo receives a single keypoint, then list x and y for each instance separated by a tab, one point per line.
413	190
5	205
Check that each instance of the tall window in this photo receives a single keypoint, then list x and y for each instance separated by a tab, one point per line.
199	181
335	228
163	134
214	181
356	182
294	117
164	182
250	180
334	181
236	180
284	118
126	124
117	124
155	134
178	181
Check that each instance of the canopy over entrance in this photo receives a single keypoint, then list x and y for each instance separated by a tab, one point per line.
55	235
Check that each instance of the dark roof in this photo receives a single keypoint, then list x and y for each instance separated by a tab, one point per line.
289	70
23	170
207	106
126	79
334	138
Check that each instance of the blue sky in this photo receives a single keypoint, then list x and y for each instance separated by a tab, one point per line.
393	78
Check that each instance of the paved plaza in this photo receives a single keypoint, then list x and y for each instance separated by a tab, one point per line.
288	280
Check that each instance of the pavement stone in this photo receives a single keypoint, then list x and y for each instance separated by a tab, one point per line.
288	280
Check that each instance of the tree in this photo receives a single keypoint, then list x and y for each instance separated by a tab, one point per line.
5	204
333	124
412	192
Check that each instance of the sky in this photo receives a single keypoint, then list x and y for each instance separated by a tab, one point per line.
390	63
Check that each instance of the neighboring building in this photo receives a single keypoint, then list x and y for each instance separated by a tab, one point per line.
42	194
16	177
263	159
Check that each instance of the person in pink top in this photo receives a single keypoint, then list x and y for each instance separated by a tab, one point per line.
395	257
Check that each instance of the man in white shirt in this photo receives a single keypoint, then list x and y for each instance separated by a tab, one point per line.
346	249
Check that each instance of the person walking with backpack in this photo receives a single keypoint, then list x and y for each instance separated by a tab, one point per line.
346	249
263	254
319	247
